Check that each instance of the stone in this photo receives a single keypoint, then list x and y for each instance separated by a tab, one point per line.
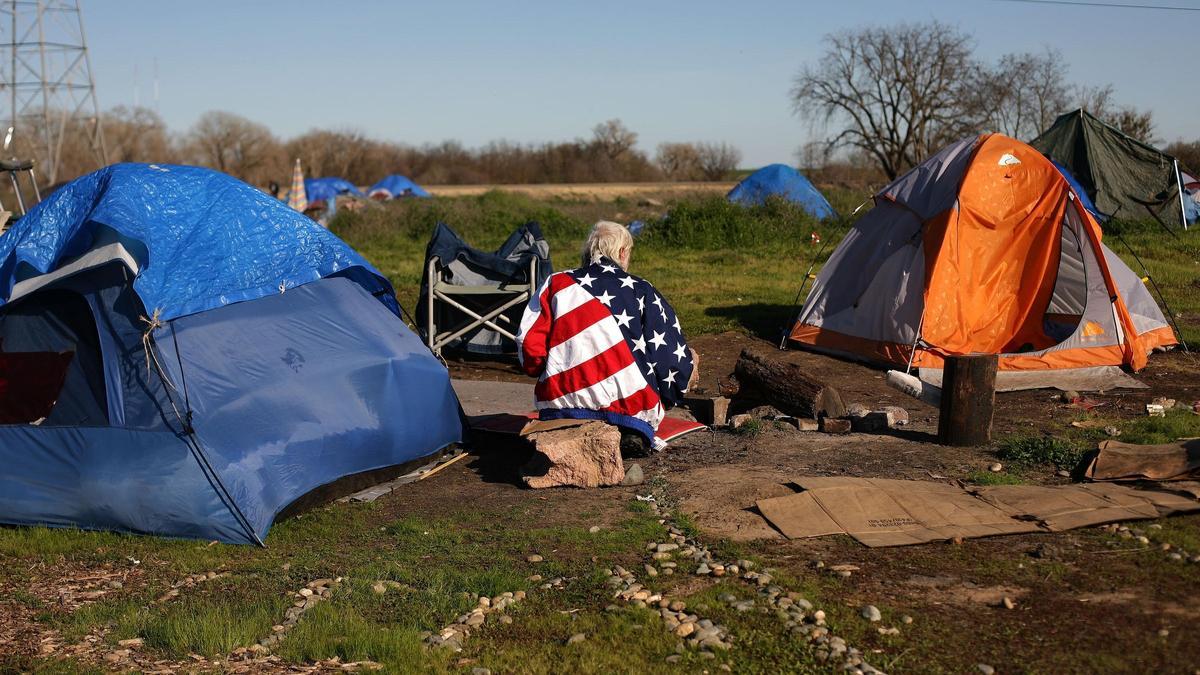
906	619
803	424
1069	396
588	455
871	613
985	669
650	571
480	671
535	558
685	629
576	638
996	467
835	426
872	422
596	528
703	569
1007	602
506	619
634	475
897	416
306	592
131	643
664	548
857	410
677	606
739	421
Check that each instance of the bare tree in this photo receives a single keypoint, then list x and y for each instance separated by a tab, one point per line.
613	138
717	159
678	161
1023	93
1187	152
137	134
896	93
1133	122
237	146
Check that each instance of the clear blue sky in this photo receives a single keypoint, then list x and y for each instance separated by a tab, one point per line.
421	72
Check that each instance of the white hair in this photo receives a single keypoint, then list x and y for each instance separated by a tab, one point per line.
606	239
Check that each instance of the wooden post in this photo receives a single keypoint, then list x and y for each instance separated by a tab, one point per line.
968	395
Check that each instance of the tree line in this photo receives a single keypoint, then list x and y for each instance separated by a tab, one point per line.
249	150
892	96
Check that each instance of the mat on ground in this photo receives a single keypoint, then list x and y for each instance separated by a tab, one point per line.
886	512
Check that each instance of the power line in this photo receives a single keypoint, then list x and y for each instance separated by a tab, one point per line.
1117	5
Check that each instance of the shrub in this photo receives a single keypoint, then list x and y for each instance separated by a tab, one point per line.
1040	451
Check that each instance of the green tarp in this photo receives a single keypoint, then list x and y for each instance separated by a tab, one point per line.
1125	178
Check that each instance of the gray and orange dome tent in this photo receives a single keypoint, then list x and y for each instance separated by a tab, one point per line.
983	249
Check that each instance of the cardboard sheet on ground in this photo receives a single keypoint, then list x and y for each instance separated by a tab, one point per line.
1126	461
523	425
885	512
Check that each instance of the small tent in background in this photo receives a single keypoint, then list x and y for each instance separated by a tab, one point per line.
1191	190
782	181
324	189
207	356
396	186
1124	177
941	267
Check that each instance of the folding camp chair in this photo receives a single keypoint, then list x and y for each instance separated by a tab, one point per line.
13	167
473	300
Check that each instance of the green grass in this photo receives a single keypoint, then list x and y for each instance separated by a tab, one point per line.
1154	430
722	266
1031	451
994	478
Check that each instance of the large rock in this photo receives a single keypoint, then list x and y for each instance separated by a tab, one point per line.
588	455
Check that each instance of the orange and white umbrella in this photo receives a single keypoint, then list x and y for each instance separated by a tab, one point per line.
297	198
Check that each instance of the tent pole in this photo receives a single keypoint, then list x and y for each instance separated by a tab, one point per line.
1179	184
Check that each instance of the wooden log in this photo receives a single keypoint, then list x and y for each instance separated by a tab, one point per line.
968	397
786	387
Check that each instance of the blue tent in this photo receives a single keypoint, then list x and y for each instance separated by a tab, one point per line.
785	182
396	186
1082	194
324	189
224	355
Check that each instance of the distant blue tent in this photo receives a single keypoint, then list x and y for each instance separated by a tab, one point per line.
225	356
1082	194
396	186
783	181
324	189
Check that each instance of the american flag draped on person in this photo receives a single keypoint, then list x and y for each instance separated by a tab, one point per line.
604	344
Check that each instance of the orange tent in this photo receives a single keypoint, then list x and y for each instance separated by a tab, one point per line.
982	249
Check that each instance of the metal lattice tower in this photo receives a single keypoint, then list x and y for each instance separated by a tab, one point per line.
46	82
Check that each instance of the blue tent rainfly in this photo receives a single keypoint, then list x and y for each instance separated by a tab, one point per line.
324	189
396	186
204	356
782	181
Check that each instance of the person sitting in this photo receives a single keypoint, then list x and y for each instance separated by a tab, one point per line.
604	344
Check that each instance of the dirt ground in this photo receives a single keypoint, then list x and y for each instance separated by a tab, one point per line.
1085	600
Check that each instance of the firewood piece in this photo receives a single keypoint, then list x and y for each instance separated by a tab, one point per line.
785	386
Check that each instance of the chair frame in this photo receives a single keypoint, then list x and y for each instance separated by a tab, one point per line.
441	291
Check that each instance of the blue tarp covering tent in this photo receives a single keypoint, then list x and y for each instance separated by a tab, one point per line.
227	355
324	189
1080	192
782	181
396	186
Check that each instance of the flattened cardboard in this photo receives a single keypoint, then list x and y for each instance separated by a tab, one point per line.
1065	507
885	512
1126	461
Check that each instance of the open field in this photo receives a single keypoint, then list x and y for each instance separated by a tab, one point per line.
597	191
1084	601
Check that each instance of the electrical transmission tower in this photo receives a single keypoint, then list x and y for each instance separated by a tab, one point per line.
46	82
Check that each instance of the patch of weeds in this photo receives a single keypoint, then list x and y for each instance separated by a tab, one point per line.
1153	430
205	625
337	629
751	428
994	478
1040	451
